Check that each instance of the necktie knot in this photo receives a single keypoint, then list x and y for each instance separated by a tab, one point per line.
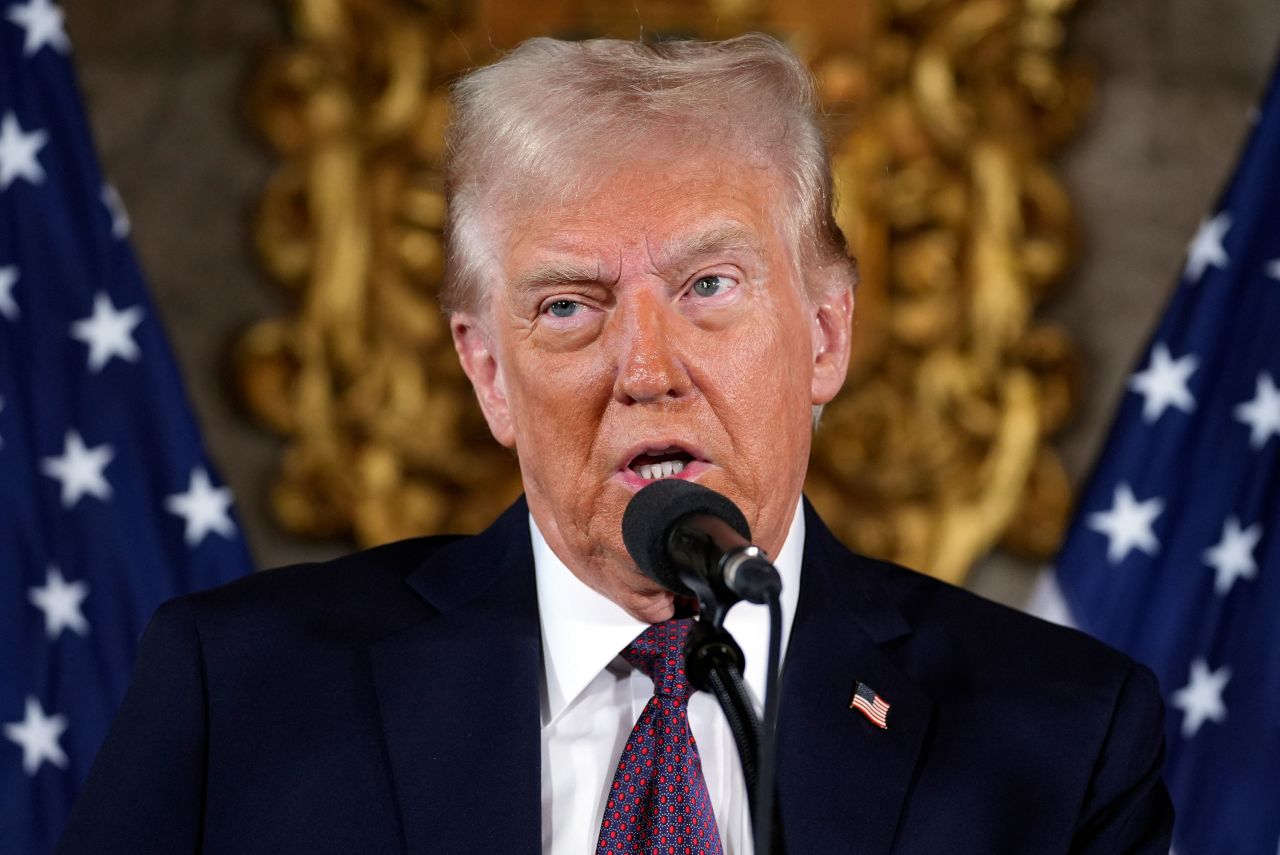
659	652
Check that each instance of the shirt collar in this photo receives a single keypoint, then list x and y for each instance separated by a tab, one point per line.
583	630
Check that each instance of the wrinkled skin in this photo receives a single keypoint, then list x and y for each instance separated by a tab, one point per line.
659	309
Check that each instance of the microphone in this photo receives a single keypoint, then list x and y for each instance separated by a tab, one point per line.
692	540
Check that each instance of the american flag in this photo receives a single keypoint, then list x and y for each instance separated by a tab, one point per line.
1175	554
874	707
108	504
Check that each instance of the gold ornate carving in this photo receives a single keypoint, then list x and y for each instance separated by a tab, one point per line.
945	115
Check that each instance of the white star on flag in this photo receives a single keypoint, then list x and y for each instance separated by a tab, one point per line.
1201	699
1232	556
43	22
60	601
79	468
1262	412
1206	249
115	207
1127	524
9	276
1273	269
1164	383
204	507
108	332
18	152
38	736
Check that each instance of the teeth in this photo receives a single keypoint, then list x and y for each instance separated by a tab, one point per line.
665	469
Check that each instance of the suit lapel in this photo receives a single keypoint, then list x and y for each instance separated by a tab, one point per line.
458	698
842	781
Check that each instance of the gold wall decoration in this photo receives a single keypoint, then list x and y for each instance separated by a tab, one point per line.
945	117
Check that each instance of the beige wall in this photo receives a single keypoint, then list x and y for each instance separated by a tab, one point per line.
164	81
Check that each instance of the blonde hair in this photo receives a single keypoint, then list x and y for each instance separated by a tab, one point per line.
532	125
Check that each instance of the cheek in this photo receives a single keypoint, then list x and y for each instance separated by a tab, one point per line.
776	357
767	400
556	400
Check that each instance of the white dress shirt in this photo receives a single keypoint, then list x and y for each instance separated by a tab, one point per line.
591	698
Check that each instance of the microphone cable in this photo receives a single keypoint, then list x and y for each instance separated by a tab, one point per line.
763	814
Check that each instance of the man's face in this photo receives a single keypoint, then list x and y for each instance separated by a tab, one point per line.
655	325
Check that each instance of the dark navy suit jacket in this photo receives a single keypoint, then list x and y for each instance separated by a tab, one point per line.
388	702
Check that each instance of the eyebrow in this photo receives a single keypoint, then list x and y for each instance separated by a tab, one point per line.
549	274
726	237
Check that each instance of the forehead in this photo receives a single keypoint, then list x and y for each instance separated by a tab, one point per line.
661	208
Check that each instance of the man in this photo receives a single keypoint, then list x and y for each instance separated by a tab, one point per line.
645	281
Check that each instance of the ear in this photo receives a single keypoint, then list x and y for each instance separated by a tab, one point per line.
476	353
832	336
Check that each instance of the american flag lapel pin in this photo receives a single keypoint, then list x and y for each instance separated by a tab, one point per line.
874	707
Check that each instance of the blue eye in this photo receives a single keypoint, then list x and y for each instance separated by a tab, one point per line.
564	308
709	286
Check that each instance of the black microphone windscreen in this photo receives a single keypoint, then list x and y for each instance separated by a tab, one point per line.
656	508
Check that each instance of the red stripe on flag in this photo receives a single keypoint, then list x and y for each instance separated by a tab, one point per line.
876	710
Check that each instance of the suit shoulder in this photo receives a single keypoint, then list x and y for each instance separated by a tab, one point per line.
1008	641
362	593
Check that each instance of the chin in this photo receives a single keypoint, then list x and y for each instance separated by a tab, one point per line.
654	608
641	597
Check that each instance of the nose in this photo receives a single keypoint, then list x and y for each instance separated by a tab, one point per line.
650	368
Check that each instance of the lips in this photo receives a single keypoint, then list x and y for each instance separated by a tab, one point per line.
654	461
653	467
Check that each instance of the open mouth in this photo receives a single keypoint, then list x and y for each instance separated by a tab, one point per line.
667	463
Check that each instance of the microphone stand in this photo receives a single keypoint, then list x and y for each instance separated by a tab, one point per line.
714	663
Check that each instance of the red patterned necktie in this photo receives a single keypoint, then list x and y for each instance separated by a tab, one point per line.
658	802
